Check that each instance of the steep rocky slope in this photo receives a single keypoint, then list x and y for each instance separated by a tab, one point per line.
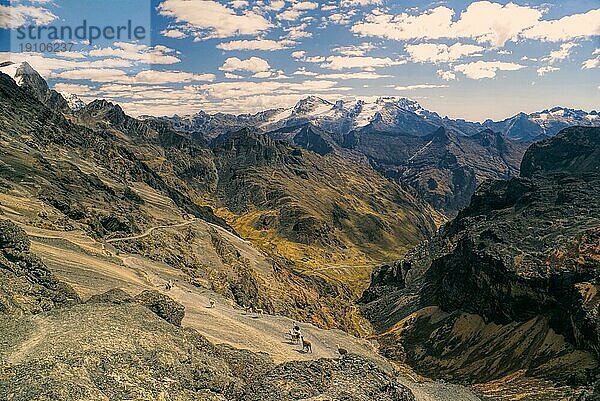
29	79
85	174
114	346
297	200
443	167
26	284
505	296
320	222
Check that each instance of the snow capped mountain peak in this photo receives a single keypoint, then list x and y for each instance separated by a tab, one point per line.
400	102
17	71
25	68
25	76
74	102
351	113
546	123
339	105
30	80
311	104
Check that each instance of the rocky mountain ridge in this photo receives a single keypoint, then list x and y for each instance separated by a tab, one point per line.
520	265
391	132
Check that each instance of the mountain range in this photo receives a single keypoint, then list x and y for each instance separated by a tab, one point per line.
399	115
468	251
506	293
441	160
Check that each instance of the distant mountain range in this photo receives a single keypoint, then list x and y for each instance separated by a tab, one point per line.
442	160
399	115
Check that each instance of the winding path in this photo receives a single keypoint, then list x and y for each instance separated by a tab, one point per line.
151	230
185	223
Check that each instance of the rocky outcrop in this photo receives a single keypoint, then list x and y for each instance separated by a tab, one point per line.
162	305
513	279
351	377
307	136
114	346
26	284
574	152
107	351
114	296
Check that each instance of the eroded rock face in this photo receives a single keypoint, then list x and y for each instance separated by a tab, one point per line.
114	296
511	284
26	284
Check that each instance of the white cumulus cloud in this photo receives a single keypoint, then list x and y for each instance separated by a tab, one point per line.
140	53
546	69
253	64
446	75
570	27
440	53
593	62
12	17
355	3
214	18
486	69
483	21
346	62
173	33
561	54
419	86
256	44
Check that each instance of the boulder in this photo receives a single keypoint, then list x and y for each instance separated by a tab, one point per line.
162	305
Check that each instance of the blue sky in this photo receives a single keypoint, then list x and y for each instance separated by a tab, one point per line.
473	60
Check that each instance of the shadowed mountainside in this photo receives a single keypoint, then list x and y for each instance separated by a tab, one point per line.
444	167
507	291
442	159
